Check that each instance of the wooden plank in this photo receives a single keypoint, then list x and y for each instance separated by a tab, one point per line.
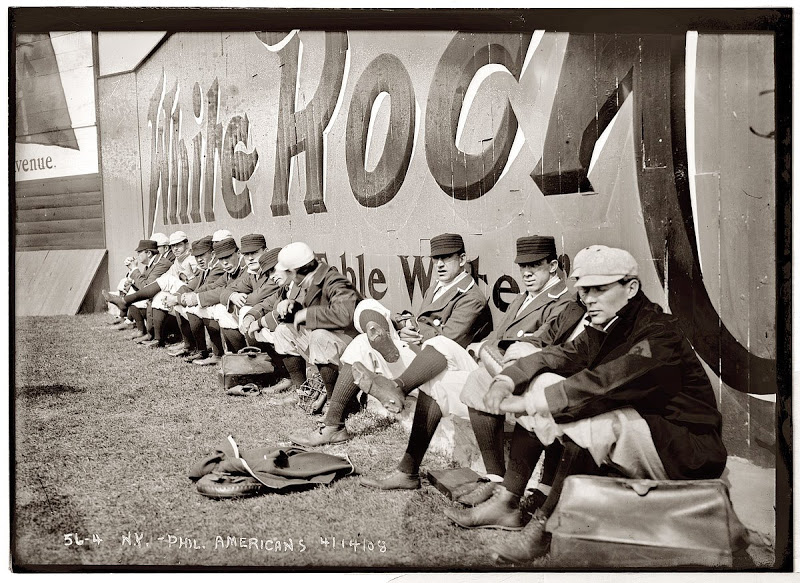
656	134
26	265
68	199
91	211
67	226
707	104
84	240
762	432
49	186
73	270
735	421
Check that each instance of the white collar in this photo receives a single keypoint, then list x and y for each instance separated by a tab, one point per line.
554	279
441	288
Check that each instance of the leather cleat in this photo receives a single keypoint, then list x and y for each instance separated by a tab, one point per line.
137	335
479	495
196	355
323	435
143	339
396	481
208	361
380	387
180	347
500	511
124	325
151	343
116	300
533	542
178	353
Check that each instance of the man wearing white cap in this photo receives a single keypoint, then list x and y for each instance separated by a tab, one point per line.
162	291
628	393
318	319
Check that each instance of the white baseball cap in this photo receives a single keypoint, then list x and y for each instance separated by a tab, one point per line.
177	237
221	234
600	265
160	239
294	255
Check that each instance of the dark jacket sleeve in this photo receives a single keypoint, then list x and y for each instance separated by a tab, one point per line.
210	295
459	324
266	305
564	359
648	373
559	322
242	284
336	311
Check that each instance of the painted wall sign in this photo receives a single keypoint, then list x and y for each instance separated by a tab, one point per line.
56	133
367	146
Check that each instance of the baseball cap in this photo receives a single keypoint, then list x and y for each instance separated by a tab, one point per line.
600	265
446	244
160	238
294	255
177	237
535	248
221	234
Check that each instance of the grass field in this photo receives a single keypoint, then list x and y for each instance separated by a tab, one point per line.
106	432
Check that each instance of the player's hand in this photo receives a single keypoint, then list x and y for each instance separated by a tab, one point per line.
497	393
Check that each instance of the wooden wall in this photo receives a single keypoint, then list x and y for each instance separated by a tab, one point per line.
59	213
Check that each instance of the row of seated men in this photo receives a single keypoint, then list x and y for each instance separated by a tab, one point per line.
595	375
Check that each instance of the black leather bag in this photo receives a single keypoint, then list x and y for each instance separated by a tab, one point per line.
620	523
249	365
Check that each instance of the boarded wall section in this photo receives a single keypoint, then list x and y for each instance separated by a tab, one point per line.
59	213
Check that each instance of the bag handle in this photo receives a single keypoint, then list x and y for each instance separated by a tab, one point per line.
642	487
250	351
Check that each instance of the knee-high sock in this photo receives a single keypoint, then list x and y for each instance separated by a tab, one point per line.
159	317
489	434
574	460
147	292
234	339
135	314
426	365
329	374
552	457
344	391
296	366
198	329
149	319
525	452
186	332
214	334
426	419
275	357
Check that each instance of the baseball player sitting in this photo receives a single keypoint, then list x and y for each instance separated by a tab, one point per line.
316	319
628	393
452	313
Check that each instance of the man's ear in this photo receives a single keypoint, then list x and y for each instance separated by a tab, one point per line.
634	288
462	261
553	267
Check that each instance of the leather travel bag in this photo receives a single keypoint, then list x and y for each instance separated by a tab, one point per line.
249	365
624	523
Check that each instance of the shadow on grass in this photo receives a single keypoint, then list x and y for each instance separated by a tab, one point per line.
362	425
36	391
